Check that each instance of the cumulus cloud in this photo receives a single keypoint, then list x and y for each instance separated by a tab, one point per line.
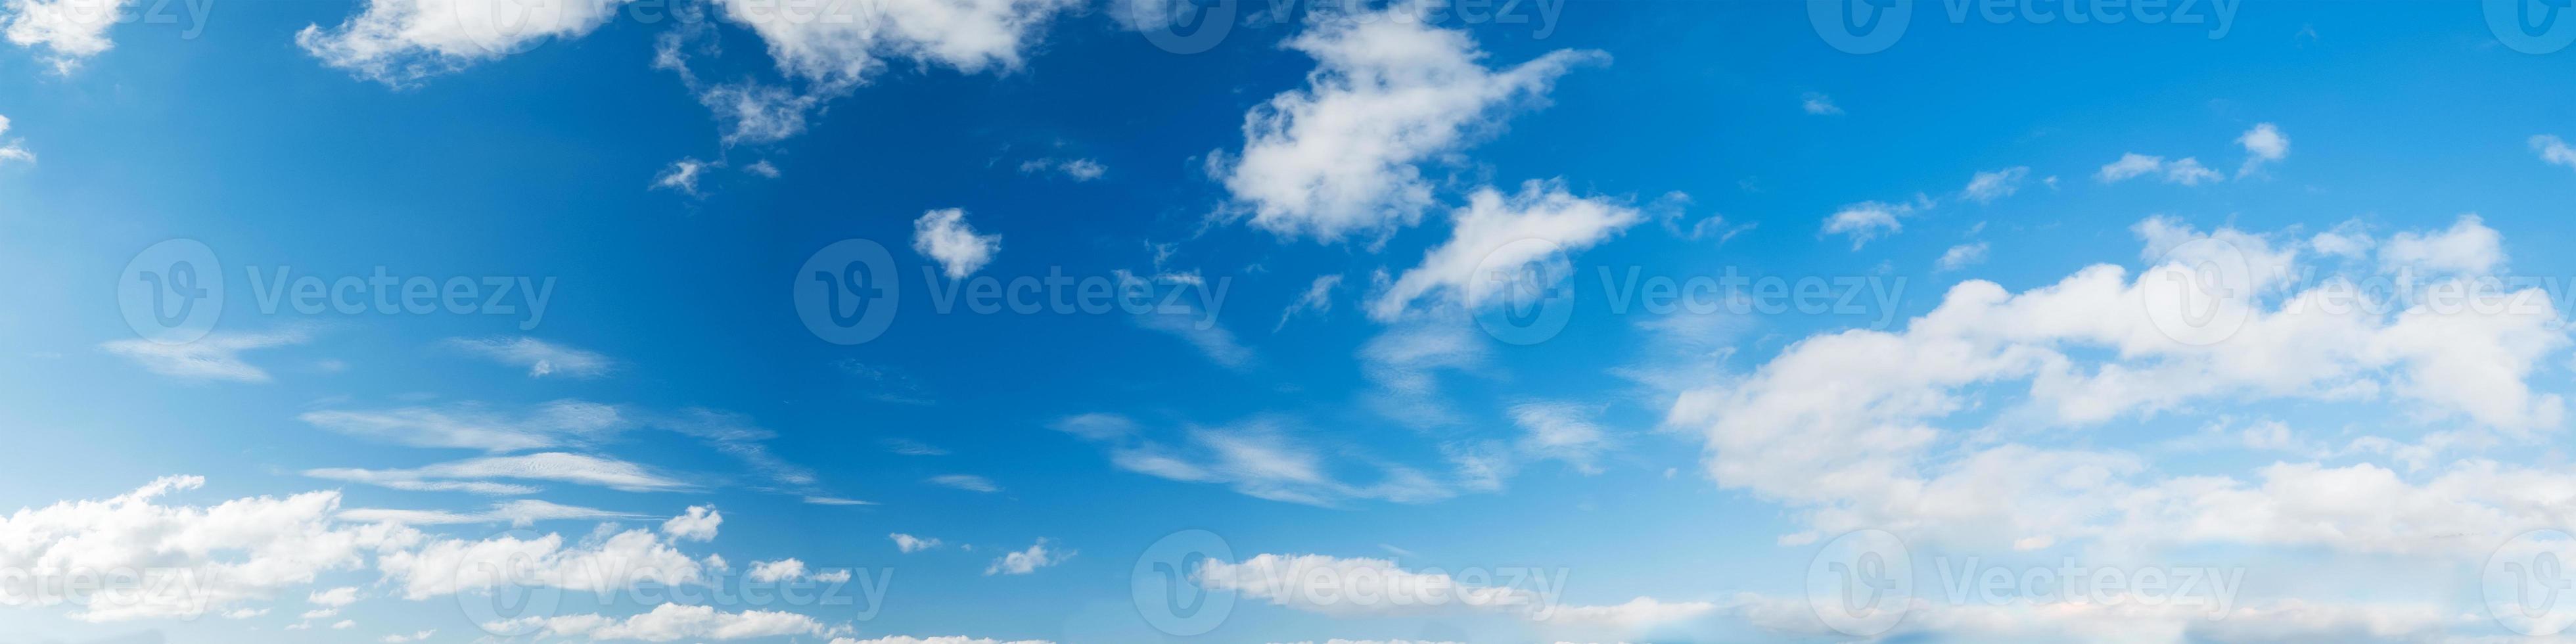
603	562
1038	555
539	357
944	236
1344	155
216	357
1365	587
2263	144
13	149
777	571
70	31
1498	232
402	42
909	544
1867	220
668	622
699	524
189	560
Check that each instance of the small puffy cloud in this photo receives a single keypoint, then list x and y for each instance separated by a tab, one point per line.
1985	187
967	482
2263	144
402	42
777	571
2469	247
333	598
71	31
216	357
13	149
399	638
1494	231
1867	220
1023	562
1961	256
944	236
842	43
2553	150
910	544
1344	154
699	524
539	357
1818	104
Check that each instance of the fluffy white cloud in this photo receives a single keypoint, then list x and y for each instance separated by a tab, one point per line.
2263	144
539	357
71	30
1818	104
669	622
214	357
1496	232
401	42
910	544
2553	150
1388	94
559	423
1961	256
602	562
681	176
943	235
1364	587
2468	247
777	571
1867	220
13	149
699	524
1038	555
844	42
178	561
1844	424
565	467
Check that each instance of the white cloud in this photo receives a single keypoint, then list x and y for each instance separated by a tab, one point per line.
539	357
580	469
554	424
1076	169
1561	431
602	562
1986	187
1494	232
1259	459
401	42
699	524
1027	561
681	175
214	357
946	639
2553	150
2185	171
844	42
1364	587
194	560
520	513
967	482
1318	299
2263	144
335	598
669	622
1867	220
2469	247
1818	104
71	30
1344	154
1845	425
777	571
13	149
910	544
1962	256
943	235
399	638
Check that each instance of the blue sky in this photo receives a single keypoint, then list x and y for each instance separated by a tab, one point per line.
1580	321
